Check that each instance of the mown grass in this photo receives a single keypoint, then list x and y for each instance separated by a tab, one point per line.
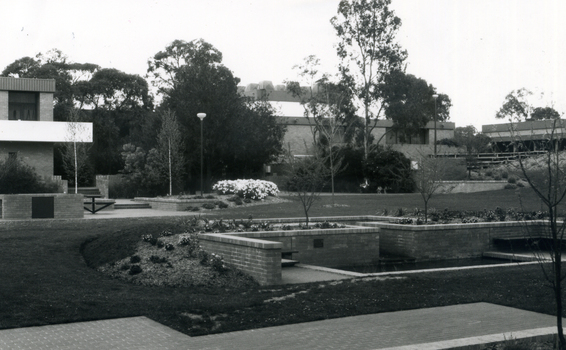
45	279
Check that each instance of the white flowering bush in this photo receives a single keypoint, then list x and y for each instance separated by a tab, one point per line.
254	189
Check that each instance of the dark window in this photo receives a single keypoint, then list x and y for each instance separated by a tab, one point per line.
42	207
22	105
318	243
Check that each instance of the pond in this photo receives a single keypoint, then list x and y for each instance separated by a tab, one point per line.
424	265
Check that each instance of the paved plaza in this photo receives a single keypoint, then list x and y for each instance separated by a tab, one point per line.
449	327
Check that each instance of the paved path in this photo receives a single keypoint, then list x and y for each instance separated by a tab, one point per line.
447	327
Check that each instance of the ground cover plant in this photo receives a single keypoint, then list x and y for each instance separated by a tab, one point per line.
47	278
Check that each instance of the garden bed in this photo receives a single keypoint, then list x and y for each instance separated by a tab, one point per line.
209	202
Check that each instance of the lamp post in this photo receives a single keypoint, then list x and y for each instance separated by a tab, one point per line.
201	117
435	96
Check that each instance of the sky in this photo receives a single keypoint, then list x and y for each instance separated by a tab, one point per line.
475	51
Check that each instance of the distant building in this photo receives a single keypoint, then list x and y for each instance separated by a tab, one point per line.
291	114
27	129
532	135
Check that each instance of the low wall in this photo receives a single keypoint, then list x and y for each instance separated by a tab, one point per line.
42	206
451	241
470	186
258	258
173	204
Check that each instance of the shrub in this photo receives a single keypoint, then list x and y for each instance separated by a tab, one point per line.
512	179
504	174
221	204
489	173
135	259
160	244
209	205
135	269
18	177
157	260
169	246
191	241
254	189
510	186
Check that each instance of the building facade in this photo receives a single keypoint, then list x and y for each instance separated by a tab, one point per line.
299	135
531	135
27	129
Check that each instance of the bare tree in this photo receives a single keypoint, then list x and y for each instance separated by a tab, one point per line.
427	174
546	176
170	148
75	155
308	175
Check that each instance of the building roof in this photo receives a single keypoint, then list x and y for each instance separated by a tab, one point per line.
27	84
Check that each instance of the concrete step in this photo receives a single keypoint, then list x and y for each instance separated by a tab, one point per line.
132	206
288	262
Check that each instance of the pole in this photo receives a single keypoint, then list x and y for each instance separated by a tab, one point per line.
435	97
201	158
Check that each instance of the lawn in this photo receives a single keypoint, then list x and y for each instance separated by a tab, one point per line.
45	279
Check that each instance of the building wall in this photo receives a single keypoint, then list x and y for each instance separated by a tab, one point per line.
46	107
38	155
3	105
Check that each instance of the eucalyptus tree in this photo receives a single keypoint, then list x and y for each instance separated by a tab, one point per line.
366	30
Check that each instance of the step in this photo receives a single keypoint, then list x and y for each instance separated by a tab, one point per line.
132	206
288	262
515	257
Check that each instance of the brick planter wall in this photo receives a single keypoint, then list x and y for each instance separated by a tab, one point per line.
19	206
258	258
452	241
329	247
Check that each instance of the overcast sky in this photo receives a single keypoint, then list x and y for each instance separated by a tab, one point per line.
476	51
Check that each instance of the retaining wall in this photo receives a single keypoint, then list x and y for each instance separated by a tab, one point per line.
451	241
259	253
42	205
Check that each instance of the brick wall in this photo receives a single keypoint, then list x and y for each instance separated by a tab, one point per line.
330	248
38	155
258	258
19	206
454	241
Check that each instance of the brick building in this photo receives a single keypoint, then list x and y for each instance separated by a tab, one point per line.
27	129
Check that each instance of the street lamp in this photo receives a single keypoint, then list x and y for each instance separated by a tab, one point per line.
435	96
201	117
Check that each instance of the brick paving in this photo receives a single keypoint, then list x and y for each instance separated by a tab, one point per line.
450	327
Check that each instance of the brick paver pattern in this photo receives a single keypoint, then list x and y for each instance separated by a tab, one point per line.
374	331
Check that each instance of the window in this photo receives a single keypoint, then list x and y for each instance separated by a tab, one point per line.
22	105
399	137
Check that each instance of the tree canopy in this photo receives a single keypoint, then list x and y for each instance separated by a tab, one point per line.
410	104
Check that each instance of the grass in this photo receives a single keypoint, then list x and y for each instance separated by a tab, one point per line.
45	279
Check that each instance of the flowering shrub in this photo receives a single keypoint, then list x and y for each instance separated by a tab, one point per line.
191	241
253	189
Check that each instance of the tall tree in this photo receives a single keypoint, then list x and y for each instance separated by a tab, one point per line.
75	155
367	49
192	79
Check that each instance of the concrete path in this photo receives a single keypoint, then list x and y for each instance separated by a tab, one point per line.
450	327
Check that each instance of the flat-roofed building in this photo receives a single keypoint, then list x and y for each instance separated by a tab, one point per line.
27	128
531	135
